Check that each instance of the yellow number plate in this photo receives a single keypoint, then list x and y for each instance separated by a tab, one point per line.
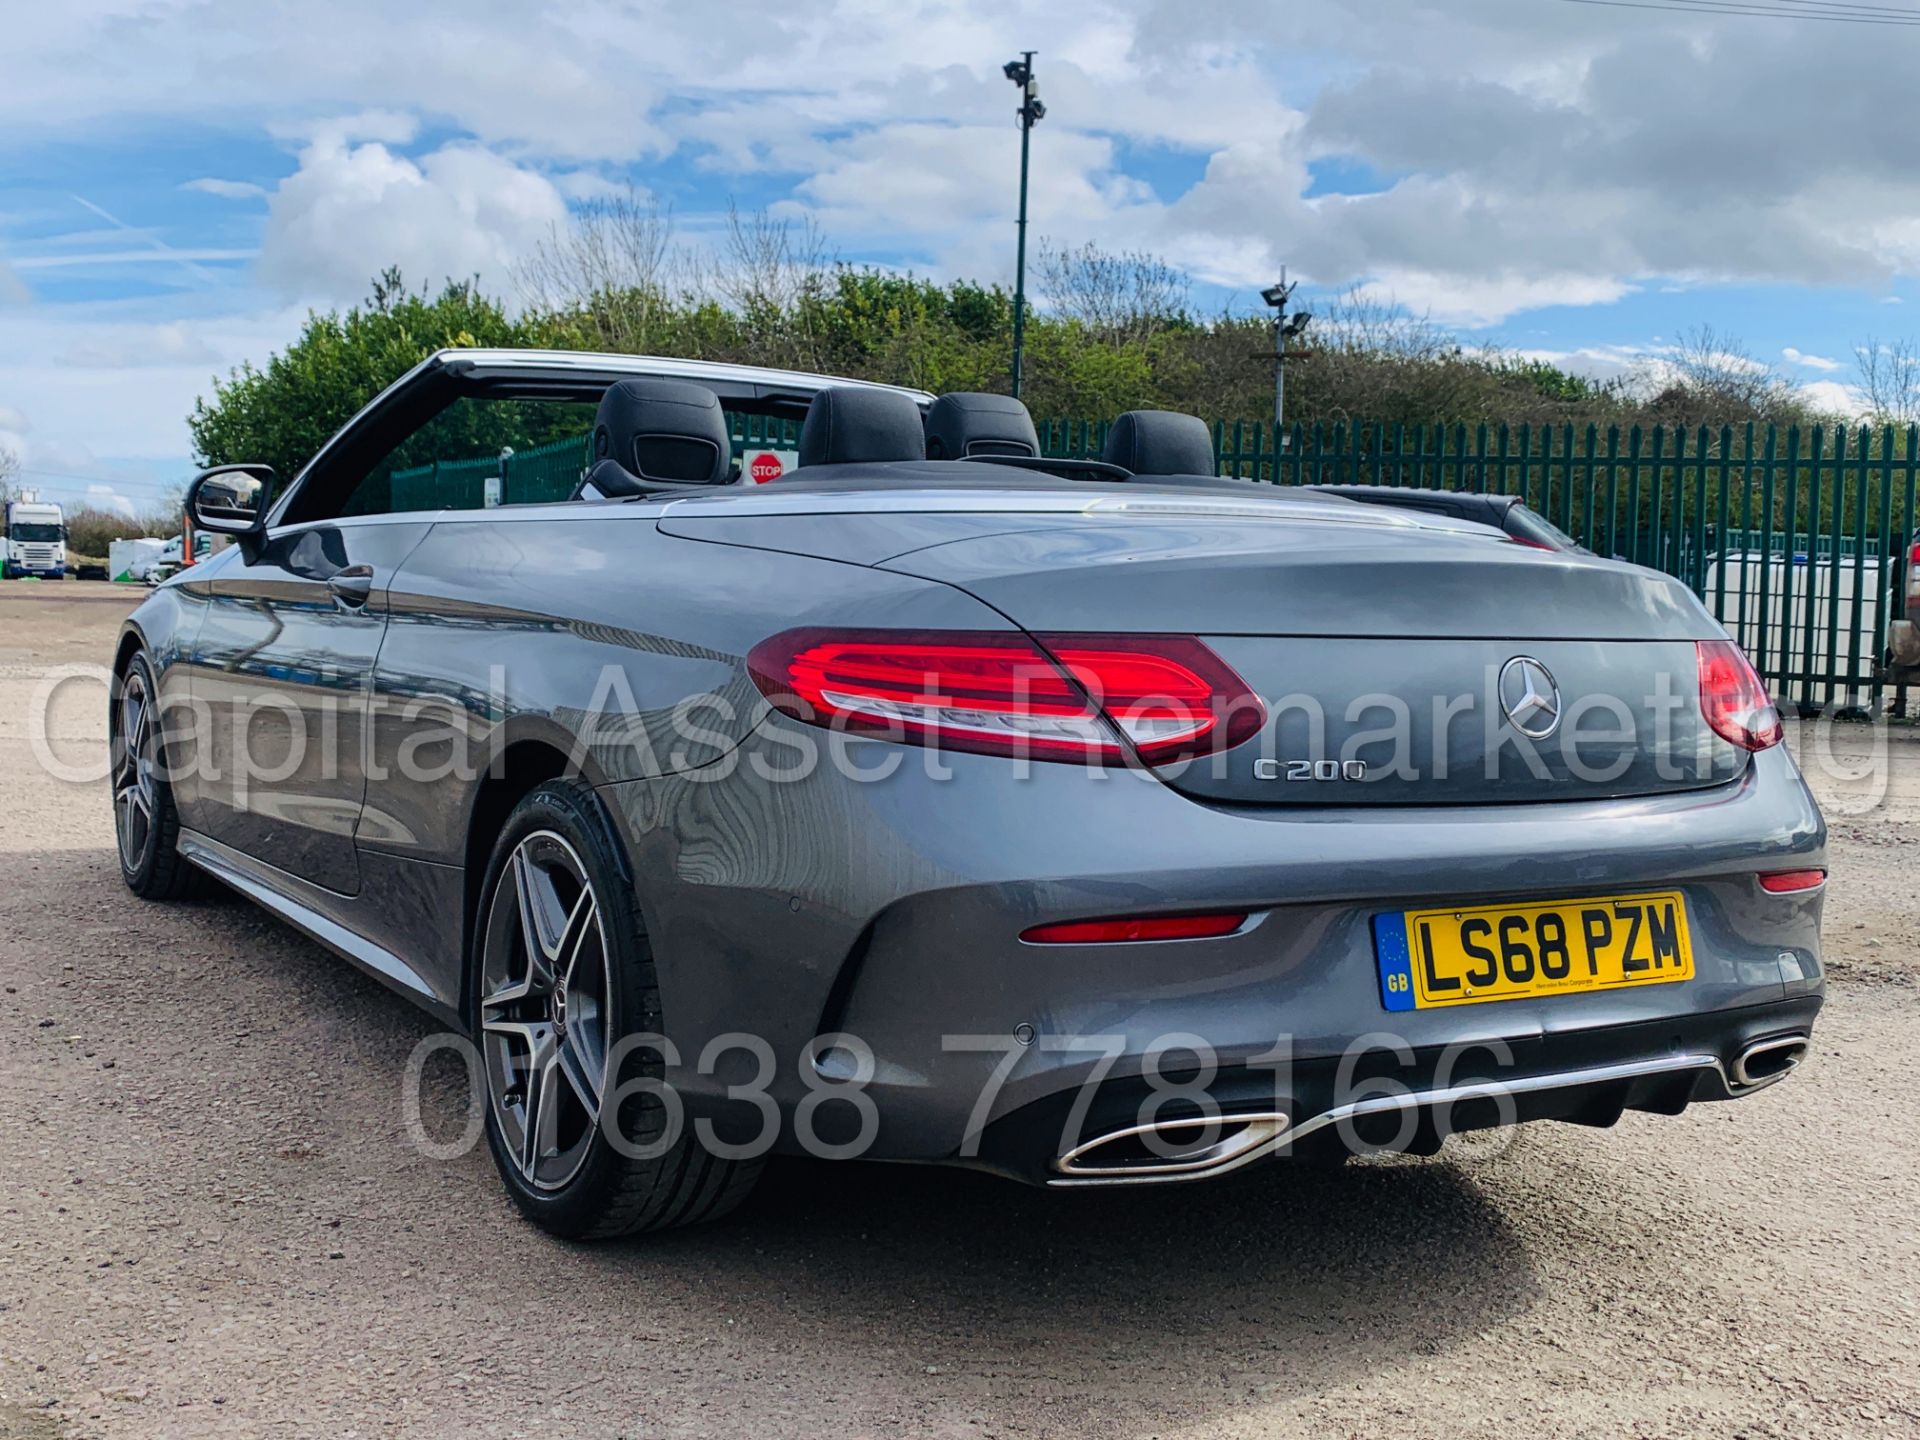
1434	958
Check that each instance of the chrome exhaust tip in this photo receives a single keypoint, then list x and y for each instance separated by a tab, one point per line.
1766	1061
1171	1149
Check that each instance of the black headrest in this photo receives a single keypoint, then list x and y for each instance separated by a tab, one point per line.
1160	442
848	425
970	423
659	431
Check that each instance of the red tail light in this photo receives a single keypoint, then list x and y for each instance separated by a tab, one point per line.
1733	699
1787	882
1066	697
1138	927
1171	696
1913	572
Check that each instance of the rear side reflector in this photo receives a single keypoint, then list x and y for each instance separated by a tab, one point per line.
1052	697
1786	882
1139	927
1733	699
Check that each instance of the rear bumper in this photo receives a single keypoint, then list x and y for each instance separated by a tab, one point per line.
891	912
1408	1101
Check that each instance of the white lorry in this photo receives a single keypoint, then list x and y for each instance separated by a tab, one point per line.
36	542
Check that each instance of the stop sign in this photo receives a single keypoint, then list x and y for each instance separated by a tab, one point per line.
766	467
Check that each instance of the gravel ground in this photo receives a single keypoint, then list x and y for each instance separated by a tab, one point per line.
211	1220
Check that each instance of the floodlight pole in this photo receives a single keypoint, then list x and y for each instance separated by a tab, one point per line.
1021	73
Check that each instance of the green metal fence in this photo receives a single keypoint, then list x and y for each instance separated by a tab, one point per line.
762	432
547	472
544	473
1793	538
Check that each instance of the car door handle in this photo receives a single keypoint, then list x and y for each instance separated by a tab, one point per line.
352	585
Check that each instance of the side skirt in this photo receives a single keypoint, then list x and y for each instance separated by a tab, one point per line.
303	906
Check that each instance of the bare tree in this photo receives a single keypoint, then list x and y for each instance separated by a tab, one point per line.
1888	378
614	266
9	473
1362	322
1122	297
767	265
1708	374
773	272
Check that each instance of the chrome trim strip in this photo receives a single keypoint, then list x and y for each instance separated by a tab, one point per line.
1389	1104
575	361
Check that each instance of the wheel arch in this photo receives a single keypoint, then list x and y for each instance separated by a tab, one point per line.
131	642
516	769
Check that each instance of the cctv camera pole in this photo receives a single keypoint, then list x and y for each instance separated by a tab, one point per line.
1021	73
1283	330
1285	292
1020	258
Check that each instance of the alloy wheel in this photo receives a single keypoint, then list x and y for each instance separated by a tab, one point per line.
545	989
135	770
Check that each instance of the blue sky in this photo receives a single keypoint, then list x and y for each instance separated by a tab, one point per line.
180	182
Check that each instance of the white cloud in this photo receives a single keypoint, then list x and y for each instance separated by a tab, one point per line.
107	498
13	290
578	185
1473	302
1595	362
510	74
89	386
351	210
143	347
13	431
1656	361
226	189
1833	397
1810	362
958	178
1564	149
386	127
1525	151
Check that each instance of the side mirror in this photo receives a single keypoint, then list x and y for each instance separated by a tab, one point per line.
232	500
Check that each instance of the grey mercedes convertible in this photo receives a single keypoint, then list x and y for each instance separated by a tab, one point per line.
741	763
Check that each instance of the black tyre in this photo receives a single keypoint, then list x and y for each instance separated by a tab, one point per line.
561	973
145	823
